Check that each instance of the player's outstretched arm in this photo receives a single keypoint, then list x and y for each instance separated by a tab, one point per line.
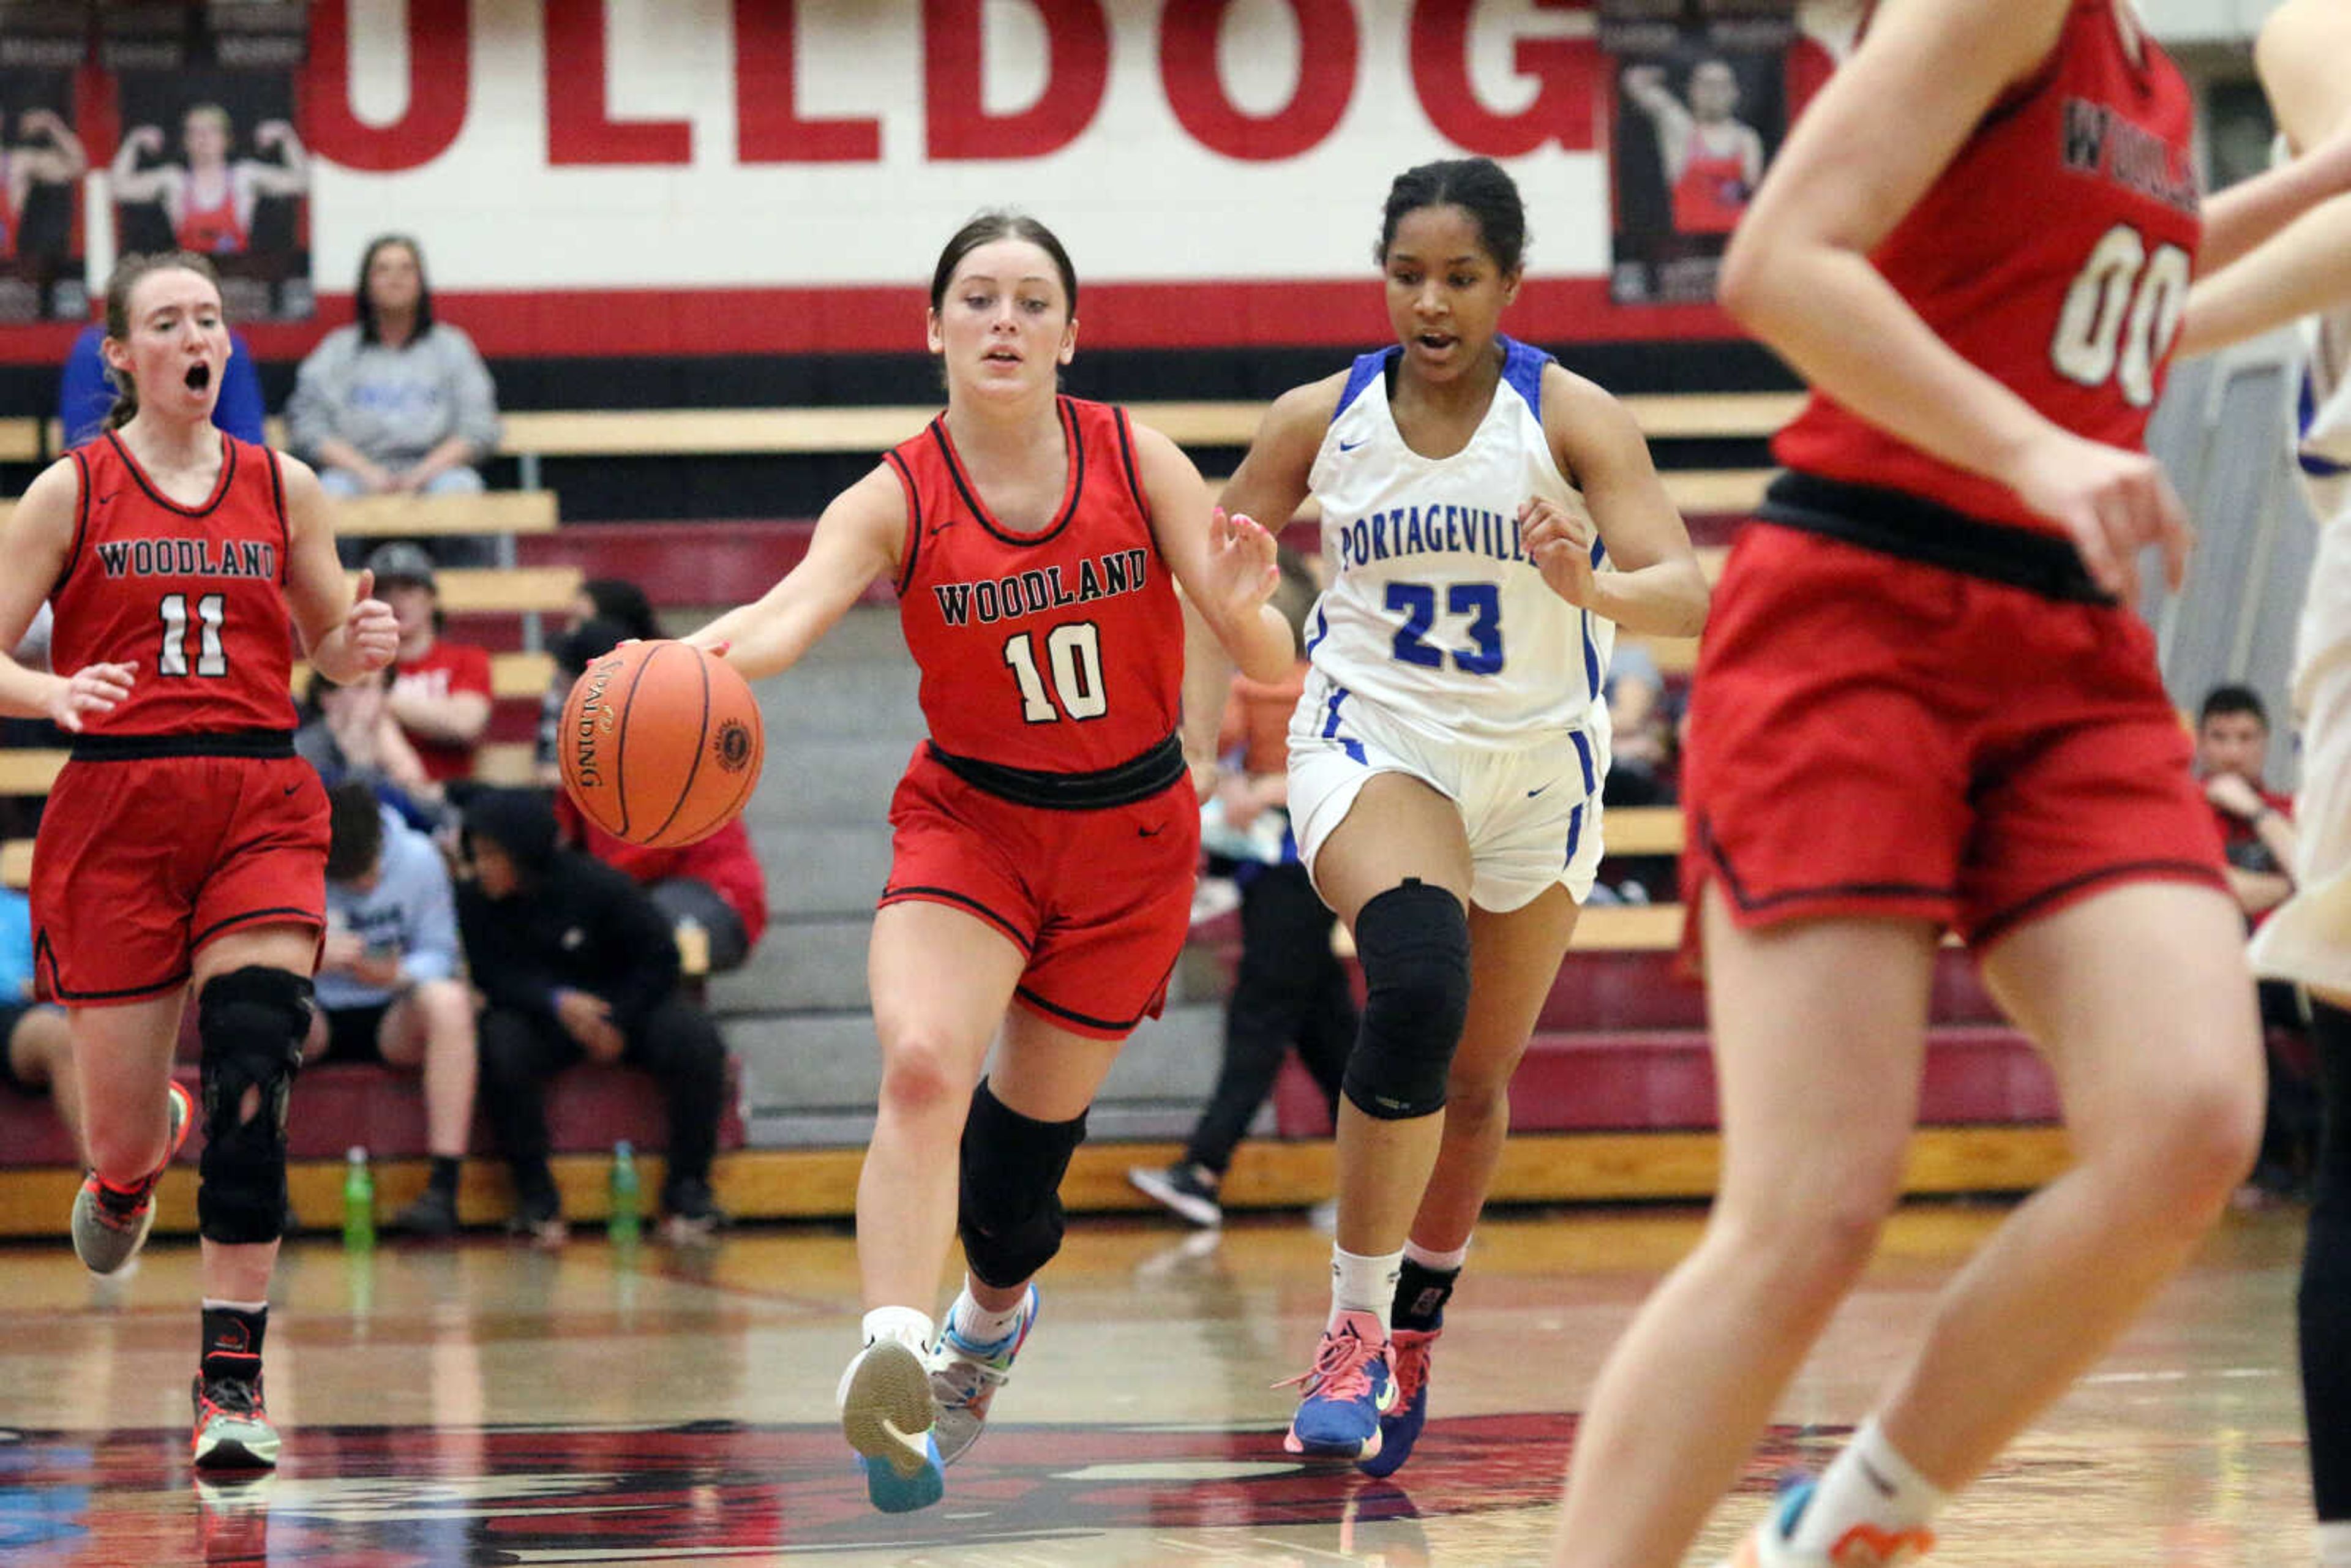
347	633
857	539
1224	560
35	543
2300	270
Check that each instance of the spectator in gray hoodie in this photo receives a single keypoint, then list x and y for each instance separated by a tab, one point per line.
397	401
389	989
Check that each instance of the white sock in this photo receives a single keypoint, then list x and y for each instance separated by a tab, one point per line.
1441	1262
905	1324
975	1326
1869	1483
1361	1285
2334	1544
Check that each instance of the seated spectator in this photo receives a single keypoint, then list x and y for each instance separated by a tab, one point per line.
1645	754
86	392
2257	838
348	733
1289	989
388	987
397	401
717	883
440	689
35	1050
575	964
610	599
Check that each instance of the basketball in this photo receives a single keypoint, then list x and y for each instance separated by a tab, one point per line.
661	743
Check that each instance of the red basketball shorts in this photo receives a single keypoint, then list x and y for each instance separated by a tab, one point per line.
140	861
1873	736
1100	900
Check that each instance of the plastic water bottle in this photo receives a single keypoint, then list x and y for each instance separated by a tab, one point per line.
628	1203
359	1201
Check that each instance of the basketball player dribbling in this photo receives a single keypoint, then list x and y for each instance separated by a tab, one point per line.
1924	703
2303	57
1493	520
184	845
1032	539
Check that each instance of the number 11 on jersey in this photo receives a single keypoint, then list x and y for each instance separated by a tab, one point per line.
211	658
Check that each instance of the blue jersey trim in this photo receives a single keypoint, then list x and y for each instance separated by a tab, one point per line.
1583	756
1523	367
1366	367
1574	831
2307	415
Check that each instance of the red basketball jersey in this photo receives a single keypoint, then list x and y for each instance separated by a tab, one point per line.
1711	195
2053	252
192	595
1060	652
214	230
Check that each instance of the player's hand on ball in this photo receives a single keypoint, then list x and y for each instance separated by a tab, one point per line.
92	689
1558	541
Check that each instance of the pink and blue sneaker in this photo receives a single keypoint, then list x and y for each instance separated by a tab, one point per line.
1400	1428
1348	1392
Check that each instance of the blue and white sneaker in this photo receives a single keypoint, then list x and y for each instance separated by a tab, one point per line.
1348	1391
965	1377
1408	1355
887	1415
1863	1546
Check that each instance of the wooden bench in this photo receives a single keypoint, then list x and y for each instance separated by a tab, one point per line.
531	436
513	589
20	440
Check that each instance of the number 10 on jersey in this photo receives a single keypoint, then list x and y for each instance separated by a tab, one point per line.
1073	655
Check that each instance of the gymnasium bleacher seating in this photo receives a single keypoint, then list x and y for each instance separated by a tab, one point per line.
1619	1071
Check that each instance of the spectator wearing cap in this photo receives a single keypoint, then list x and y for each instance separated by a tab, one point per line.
440	689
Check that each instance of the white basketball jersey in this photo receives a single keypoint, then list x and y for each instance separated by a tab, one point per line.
1436	614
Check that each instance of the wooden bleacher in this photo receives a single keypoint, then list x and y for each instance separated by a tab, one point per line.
700	432
20	440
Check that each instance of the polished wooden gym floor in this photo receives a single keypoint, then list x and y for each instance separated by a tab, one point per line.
490	1404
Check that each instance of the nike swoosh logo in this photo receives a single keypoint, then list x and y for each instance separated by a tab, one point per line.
1533	793
291	790
101	501
1351	445
1151	832
938	528
1884	1487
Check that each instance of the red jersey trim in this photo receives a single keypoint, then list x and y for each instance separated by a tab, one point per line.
211	503
1127	460
1072	446
913	519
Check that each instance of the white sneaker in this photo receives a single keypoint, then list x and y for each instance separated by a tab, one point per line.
887	1415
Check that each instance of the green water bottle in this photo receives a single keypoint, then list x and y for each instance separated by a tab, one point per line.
628	1203
359	1201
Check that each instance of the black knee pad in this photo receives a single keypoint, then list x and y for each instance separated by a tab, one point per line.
251	1023
1010	1215
1414	941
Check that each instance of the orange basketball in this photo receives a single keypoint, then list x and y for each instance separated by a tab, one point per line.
661	743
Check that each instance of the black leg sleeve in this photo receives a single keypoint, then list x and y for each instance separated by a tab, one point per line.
2324	1301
